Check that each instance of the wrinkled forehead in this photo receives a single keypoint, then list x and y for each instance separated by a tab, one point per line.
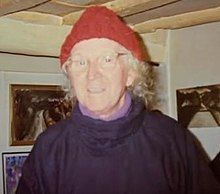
97	46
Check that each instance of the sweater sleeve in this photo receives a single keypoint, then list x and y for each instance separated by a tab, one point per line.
41	161
31	179
28	183
199	177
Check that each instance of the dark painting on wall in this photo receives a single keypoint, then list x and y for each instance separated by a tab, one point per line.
33	109
199	106
12	163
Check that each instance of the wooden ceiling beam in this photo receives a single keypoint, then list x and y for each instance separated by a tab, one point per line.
11	6
176	8
179	21
36	18
122	7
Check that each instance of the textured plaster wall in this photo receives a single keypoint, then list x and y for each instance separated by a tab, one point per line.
194	60
26	70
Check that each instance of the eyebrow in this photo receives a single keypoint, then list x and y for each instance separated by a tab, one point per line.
100	54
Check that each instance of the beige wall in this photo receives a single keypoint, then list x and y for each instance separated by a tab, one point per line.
23	63
194	60
27	70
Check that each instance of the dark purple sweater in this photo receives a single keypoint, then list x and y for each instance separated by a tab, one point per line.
141	153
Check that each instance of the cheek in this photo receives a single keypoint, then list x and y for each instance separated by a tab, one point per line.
119	81
77	85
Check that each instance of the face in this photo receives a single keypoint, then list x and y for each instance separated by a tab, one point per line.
99	74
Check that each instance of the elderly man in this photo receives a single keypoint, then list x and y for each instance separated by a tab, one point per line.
112	144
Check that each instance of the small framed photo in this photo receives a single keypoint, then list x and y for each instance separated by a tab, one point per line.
12	163
33	108
199	107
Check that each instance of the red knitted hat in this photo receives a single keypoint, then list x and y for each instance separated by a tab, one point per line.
100	22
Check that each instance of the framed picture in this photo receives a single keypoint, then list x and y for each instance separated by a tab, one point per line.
12	164
199	106
33	108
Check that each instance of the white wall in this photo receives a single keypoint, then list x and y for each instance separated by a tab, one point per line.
26	70
194	60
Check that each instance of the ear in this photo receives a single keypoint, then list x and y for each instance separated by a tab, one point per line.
131	77
64	68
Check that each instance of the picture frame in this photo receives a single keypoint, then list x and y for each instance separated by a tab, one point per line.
199	106
33	108
12	163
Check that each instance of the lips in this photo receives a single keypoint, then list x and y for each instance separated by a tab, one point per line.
95	90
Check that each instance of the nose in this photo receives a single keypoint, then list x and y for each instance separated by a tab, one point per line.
93	71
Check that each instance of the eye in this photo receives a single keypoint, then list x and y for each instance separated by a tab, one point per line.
82	62
108	59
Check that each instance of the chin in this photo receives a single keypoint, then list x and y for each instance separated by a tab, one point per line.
99	108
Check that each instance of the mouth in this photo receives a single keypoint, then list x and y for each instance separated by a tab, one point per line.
95	90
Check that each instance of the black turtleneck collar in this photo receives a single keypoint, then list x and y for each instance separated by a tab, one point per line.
101	134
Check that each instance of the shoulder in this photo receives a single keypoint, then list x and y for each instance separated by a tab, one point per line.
162	123
56	130
55	136
165	130
168	132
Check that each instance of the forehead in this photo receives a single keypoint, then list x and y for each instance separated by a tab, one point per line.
96	46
